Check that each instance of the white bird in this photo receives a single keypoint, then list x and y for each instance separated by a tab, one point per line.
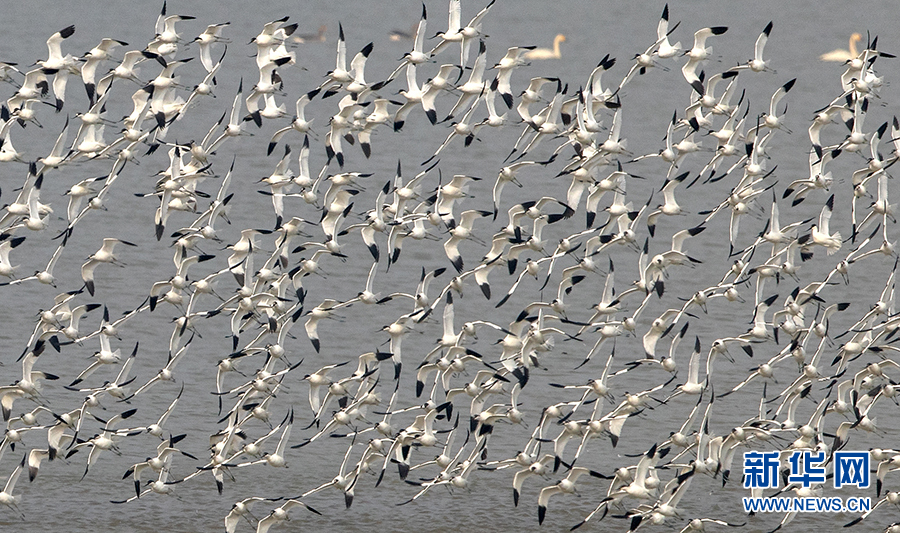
156	429
204	88
299	122
277	458
340	75
241	510
547	53
843	55
322	311
94	58
212	34
494	120
378	116
416	95
103	440
531	95
340	124
565	486
550	124
475	85
464	128
270	41
56	157
693	385
166	373
280	515
699	52
457	33
234	126
103	255
6	496
166	41
665	50
615	144
771	119
699	524
670	207
58	65
821	234
416	56
265	87
6	268
460	232
35	85
317	380
513	59
758	64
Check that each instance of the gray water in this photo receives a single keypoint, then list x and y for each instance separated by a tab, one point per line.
60	500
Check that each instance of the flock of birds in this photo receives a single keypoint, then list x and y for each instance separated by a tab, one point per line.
821	368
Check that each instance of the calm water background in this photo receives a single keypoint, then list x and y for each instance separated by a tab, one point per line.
58	501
